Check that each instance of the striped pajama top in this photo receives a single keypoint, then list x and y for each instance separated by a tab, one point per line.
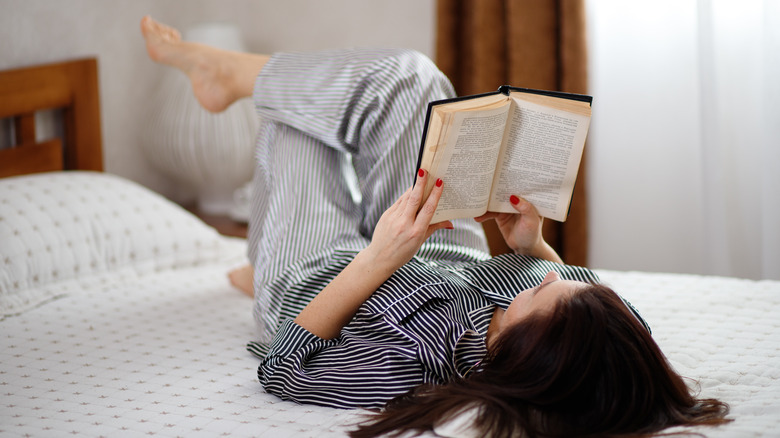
426	324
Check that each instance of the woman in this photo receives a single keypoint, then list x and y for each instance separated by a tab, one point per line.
365	302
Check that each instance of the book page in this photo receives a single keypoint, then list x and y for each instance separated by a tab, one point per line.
440	122
433	140
467	162
541	157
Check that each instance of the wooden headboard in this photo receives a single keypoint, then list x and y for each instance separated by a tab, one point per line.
71	86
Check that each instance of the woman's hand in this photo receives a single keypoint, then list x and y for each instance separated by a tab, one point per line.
398	235
523	230
404	226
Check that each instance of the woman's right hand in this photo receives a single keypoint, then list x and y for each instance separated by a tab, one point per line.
404	226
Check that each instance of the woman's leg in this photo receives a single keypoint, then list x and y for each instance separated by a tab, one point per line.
242	279
316	108
302	212
218	77
370	104
301	202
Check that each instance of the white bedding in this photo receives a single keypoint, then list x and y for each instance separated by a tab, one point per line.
158	349
164	355
723	332
161	354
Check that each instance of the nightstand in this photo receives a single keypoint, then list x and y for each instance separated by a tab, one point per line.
223	223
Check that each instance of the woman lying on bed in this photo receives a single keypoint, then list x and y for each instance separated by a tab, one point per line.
367	304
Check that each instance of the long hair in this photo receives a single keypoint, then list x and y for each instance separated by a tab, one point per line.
586	367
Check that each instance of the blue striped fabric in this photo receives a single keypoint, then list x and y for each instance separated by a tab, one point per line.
427	323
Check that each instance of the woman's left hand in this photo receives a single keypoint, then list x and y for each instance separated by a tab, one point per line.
404	226
522	231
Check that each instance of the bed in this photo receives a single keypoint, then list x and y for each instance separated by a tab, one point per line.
118	318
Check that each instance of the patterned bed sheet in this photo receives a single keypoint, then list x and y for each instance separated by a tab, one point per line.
163	355
159	355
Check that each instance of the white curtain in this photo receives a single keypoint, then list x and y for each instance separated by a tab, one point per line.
739	70
685	140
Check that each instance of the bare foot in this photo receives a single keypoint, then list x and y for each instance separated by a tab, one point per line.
242	279
218	77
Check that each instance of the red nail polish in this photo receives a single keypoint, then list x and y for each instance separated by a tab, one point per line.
421	173
514	200
439	182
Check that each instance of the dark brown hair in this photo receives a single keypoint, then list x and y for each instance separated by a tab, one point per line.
587	367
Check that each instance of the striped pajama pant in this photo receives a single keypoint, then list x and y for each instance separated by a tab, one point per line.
321	115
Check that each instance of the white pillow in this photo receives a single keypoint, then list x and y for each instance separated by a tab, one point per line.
64	225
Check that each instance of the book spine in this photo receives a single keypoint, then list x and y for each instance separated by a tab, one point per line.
506	89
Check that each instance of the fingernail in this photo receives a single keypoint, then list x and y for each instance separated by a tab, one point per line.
514	200
439	182
421	173
450	228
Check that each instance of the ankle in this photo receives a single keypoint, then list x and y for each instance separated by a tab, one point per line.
243	73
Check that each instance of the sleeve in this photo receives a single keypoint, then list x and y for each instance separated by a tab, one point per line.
346	372
290	338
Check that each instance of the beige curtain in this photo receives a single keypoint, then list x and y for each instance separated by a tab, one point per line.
482	44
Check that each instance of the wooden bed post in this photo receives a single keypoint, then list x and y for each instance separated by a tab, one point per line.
71	86
82	117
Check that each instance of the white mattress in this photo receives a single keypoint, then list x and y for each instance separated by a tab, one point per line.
163	354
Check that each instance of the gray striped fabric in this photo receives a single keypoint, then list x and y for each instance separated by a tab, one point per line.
314	109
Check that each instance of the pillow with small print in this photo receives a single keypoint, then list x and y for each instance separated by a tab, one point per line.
63	225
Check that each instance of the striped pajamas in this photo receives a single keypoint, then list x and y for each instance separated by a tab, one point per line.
314	109
428	321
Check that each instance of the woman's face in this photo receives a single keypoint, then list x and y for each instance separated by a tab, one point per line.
538	298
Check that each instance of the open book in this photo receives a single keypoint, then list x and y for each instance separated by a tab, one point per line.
514	141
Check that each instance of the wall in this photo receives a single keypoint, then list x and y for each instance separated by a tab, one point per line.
645	211
41	31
